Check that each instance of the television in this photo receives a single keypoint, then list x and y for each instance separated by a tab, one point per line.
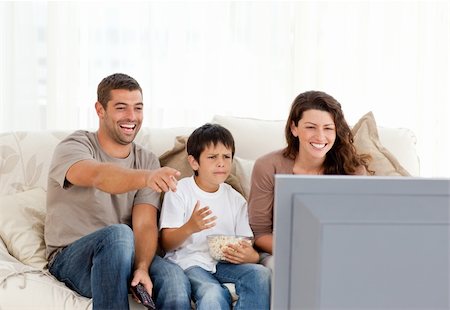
361	242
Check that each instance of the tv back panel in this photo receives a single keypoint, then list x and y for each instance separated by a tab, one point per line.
356	242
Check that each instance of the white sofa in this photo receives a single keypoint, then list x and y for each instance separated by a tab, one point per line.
24	161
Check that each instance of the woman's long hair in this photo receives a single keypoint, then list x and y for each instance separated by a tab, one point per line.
342	157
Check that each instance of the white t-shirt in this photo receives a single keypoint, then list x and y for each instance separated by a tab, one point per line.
226	203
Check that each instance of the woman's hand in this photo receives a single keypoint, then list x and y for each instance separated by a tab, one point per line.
240	253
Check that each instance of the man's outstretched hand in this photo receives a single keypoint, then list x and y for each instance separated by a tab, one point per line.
163	179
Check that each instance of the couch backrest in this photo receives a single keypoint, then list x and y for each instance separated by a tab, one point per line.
255	137
25	156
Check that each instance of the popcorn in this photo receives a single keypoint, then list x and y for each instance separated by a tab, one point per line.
217	243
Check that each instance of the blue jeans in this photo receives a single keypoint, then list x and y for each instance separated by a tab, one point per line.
252	283
100	265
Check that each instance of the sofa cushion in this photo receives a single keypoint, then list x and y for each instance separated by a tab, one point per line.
159	140
402	143
177	158
40	291
25	287
25	159
253	137
22	226
244	168
366	141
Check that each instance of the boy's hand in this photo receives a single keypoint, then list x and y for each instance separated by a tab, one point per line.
240	253
201	219
163	179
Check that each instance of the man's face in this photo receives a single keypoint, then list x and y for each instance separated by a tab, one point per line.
123	116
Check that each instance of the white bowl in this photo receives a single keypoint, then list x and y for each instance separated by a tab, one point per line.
216	243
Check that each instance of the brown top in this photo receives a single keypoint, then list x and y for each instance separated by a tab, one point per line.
260	202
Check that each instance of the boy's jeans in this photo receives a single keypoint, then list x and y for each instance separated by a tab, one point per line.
100	265
252	283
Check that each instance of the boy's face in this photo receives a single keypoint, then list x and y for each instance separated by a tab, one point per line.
213	167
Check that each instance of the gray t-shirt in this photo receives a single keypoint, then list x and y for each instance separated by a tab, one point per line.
73	211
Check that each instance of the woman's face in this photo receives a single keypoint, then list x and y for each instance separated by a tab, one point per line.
316	132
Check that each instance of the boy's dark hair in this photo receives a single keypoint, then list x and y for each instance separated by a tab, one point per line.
115	81
206	135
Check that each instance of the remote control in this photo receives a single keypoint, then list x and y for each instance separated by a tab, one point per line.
144	297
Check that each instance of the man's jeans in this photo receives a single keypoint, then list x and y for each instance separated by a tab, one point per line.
100	265
252	283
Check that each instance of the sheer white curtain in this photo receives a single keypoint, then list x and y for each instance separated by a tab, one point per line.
197	59
391	58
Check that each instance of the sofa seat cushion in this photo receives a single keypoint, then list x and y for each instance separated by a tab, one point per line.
26	287
41	291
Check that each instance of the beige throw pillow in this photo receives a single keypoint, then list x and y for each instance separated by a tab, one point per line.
22	226
177	158
366	141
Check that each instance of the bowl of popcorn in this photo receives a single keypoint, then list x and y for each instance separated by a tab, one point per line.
217	243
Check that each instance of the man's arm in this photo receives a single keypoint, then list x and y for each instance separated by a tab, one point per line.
114	179
144	221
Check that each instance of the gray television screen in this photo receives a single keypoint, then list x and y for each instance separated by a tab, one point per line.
354	242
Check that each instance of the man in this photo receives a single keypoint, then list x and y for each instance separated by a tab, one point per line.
102	204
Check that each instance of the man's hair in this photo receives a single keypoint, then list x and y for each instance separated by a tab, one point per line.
206	135
115	81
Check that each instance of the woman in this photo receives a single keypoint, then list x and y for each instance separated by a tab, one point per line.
319	141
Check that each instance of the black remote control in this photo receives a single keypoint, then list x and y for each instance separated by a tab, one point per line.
144	297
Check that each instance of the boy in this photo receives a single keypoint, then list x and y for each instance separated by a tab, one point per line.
204	205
